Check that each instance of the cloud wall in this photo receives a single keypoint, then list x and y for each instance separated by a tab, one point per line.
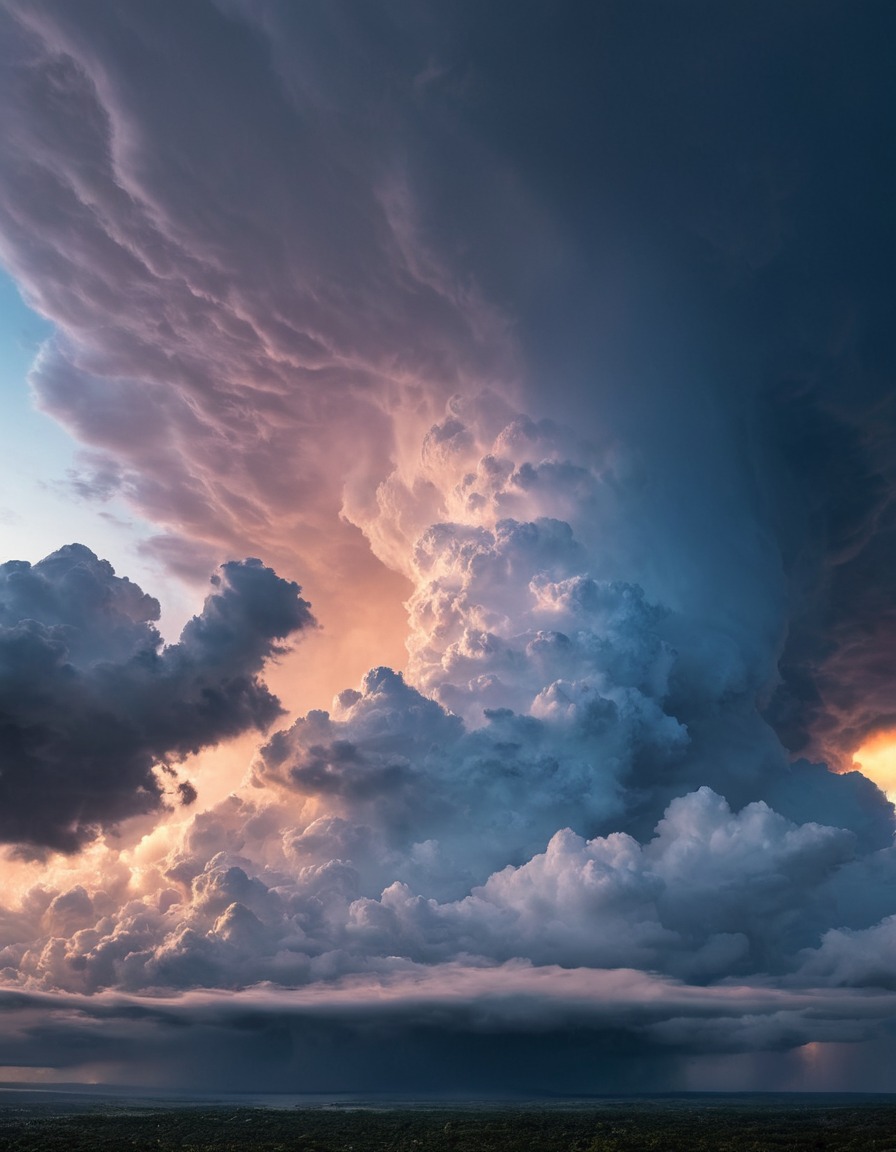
575	782
573	344
262	305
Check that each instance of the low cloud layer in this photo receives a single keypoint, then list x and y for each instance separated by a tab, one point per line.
92	703
445	1029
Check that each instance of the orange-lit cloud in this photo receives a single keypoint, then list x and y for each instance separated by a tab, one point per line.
877	760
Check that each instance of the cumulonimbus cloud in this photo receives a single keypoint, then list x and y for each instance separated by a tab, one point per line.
263	234
541	806
544	799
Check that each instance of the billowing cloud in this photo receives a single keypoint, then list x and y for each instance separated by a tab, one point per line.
395	831
578	346
249	897
262	304
92	703
536	802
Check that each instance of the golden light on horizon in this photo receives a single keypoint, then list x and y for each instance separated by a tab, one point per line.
876	759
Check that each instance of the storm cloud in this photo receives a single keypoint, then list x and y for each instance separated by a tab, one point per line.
92	702
442	1030
363	215
561	337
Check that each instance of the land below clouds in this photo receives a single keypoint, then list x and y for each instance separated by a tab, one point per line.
32	1120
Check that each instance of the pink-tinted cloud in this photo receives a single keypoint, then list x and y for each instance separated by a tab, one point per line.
238	330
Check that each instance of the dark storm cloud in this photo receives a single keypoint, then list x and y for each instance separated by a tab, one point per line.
275	239
441	1031
713	187
90	701
393	833
522	619
667	224
836	688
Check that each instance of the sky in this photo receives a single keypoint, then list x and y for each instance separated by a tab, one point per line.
448	590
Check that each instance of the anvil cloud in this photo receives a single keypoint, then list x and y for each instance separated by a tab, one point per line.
548	351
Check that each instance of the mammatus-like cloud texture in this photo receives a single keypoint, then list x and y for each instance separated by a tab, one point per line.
92	702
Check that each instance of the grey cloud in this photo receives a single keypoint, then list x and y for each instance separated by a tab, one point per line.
528	613
396	761
390	247
91	701
805	791
449	1031
834	692
860	958
711	896
275	240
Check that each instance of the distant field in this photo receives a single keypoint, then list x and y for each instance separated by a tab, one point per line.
664	1125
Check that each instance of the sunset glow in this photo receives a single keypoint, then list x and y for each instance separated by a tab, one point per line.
877	760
